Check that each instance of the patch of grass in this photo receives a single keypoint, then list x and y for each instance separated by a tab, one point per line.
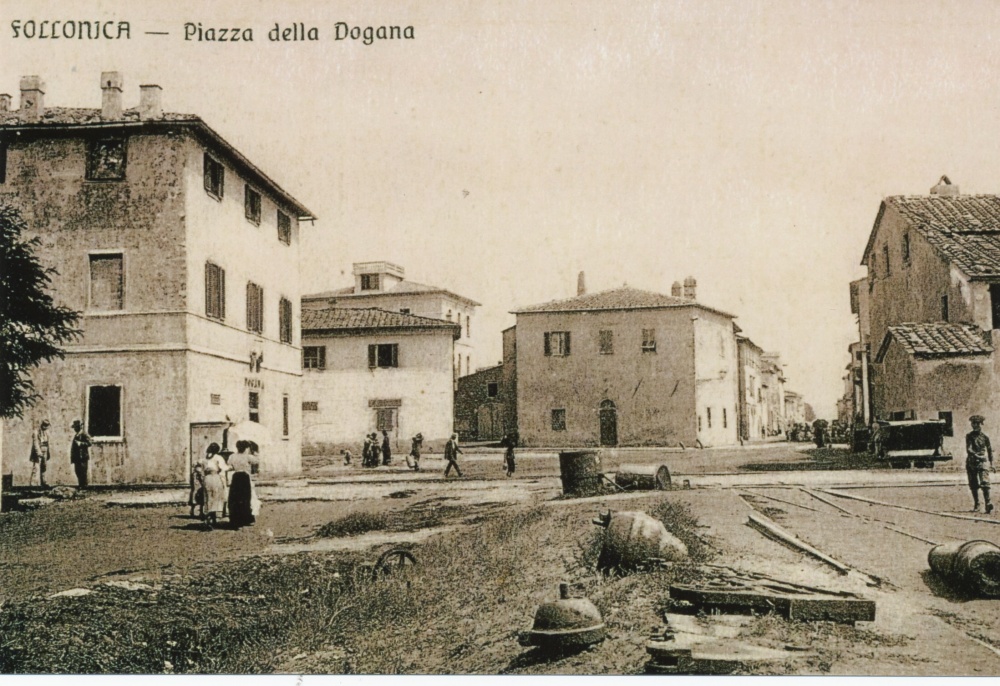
354	524
679	521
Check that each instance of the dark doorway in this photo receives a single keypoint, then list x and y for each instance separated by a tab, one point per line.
609	423
995	302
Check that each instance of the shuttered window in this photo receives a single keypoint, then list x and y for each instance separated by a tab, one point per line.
215	291
606	342
285	320
284	228
557	343
107	282
383	355
215	177
255	308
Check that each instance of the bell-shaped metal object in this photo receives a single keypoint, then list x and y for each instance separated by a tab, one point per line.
565	623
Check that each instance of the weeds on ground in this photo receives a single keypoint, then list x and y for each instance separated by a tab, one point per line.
354	524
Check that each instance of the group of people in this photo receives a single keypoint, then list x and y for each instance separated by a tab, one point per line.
221	485
41	454
376	451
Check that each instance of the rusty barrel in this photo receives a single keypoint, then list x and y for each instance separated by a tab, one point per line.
580	471
643	477
972	565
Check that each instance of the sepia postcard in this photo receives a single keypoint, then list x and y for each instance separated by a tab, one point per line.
499	338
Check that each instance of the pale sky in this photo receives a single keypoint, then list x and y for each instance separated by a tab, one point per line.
513	144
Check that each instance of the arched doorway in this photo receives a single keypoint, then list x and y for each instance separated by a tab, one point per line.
609	423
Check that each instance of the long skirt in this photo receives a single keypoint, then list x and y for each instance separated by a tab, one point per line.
241	500
215	493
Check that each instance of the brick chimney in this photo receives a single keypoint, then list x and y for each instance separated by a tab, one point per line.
32	98
150	104
581	284
111	99
945	187
690	288
4	102
675	290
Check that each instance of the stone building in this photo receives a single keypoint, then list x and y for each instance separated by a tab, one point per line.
486	401
773	384
367	369
626	367
383	285
182	256
751	390
933	291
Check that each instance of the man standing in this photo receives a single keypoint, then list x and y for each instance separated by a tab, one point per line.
413	459
386	449
508	442
978	451
451	451
79	452
40	452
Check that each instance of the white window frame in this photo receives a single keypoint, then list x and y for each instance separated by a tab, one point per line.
90	282
121	412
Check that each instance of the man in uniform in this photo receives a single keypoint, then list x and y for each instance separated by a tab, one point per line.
978	451
79	452
451	451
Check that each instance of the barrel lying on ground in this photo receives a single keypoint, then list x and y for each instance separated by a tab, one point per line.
643	477
972	566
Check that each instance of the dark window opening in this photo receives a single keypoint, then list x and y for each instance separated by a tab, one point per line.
404	310
255	308
104	411
106	160
284	416
468	326
369	282
284	228
906	247
383	355
285	320
557	343
107	282
708	416
885	258
254	406
215	291
649	340
215	177
251	205
385	419
314	357
725	421
310	406
3	163
995	304
558	420
944	310
492	390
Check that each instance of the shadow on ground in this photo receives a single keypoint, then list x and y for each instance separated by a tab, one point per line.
818	459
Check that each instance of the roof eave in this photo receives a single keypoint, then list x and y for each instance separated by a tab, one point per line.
624	309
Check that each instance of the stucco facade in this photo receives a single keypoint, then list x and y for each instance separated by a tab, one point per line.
751	392
346	397
177	370
616	389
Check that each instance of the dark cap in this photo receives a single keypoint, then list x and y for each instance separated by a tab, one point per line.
977	419
77	424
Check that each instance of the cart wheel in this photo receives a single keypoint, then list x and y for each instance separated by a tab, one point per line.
392	562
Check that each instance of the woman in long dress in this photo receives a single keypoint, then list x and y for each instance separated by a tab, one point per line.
214	476
241	491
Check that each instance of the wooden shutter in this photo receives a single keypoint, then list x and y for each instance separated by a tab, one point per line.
548	345
372	356
566	343
222	293
395	355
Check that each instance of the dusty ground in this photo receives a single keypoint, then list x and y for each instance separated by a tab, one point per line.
923	626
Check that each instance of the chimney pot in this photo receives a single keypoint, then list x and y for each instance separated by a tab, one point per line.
111	98
675	290
32	98
581	284
150	104
4	102
690	288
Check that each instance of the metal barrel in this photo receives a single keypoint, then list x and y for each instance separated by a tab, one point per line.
643	477
580	471
974	565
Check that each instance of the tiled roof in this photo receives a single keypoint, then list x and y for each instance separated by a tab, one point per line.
624	298
71	117
964	228
83	115
938	339
355	318
402	288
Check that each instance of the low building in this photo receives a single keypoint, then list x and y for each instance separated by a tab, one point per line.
383	285
795	409
368	369
752	408
183	257
773	385
626	367
479	406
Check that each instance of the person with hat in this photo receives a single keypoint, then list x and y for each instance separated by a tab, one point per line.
978	452
40	453
376	449
79	453
214	470
451	451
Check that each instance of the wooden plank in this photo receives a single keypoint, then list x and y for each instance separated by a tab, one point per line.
779	500
738	600
771	529
872	501
820	498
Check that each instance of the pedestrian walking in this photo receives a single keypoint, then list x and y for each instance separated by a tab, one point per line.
215	468
40	453
509	441
978	453
386	449
416	445
241	489
79	453
366	452
451	452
